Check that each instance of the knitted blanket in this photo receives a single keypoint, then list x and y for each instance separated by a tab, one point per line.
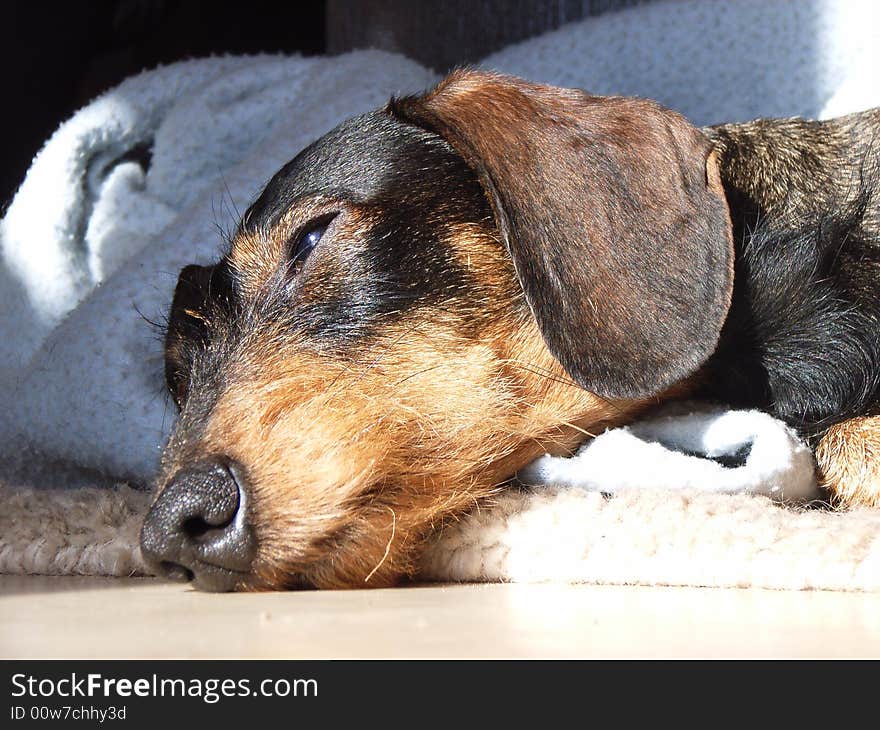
143	181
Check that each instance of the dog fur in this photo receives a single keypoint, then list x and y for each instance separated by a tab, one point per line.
503	270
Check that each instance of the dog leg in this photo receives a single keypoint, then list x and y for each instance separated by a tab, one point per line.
848	458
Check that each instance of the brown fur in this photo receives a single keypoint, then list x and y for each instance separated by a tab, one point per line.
848	460
797	168
613	213
421	427
597	280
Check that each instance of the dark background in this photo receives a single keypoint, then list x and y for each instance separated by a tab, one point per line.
57	56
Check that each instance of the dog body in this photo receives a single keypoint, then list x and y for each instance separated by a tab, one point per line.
802	337
435	293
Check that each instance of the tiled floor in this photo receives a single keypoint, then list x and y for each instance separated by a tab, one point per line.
87	617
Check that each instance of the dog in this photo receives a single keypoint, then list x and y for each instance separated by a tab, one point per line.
435	293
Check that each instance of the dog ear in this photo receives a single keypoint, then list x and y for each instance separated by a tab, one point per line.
198	290
614	214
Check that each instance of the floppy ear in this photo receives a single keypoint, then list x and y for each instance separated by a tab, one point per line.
198	290
614	214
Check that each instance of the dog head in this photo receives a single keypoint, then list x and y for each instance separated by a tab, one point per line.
419	304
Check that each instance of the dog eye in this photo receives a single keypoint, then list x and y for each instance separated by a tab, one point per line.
307	241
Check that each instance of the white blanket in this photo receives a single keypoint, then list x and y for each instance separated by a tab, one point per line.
92	242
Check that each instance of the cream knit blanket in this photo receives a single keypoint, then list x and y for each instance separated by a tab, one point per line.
645	537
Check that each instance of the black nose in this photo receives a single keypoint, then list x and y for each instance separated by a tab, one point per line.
198	529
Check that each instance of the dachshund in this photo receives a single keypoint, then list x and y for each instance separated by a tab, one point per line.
435	293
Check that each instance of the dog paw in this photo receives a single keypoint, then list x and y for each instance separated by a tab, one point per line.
848	461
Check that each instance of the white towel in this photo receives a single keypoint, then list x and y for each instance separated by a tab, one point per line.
712	450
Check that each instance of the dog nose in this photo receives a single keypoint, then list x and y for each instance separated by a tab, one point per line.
198	529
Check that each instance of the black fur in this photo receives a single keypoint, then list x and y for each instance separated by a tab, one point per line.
802	339
416	187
